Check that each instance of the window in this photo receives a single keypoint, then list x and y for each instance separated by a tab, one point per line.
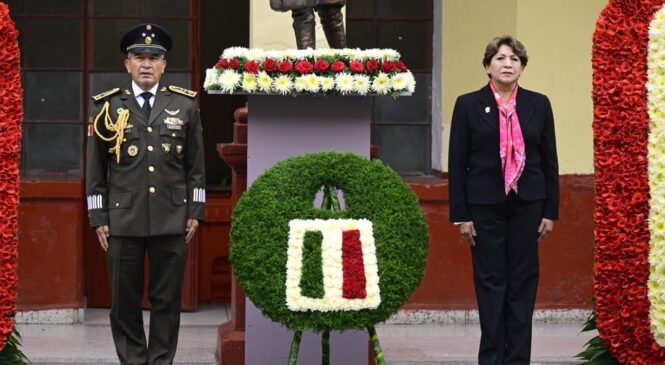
402	127
70	51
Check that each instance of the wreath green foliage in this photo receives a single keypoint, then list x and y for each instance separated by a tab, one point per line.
286	191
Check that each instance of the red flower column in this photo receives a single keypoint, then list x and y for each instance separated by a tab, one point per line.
11	116
621	129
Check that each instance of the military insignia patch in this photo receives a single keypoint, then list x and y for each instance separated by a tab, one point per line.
179	149
166	147
172	112
132	150
173	123
179	90
101	96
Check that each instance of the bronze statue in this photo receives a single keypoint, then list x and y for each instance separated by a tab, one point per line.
302	11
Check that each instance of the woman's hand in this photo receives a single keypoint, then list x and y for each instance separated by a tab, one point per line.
468	231
546	226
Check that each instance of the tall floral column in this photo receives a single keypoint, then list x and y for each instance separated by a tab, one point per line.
11	116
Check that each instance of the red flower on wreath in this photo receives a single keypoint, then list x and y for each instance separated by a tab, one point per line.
321	65
372	65
285	66
234	63
11	115
252	67
388	66
621	128
357	67
304	67
269	65
223	63
337	66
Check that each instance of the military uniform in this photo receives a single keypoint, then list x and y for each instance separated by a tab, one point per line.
157	182
144	179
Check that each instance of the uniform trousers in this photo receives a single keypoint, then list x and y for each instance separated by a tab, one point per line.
505	271
126	256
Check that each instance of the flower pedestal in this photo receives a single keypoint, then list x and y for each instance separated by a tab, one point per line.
281	127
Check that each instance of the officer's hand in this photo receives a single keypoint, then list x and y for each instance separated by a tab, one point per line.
192	225
468	231
102	235
546	226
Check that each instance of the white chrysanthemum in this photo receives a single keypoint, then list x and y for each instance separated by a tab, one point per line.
249	83
212	79
229	80
374	53
398	81
344	82
390	54
274	54
265	82
361	84
255	54
234	52
283	84
381	84
656	174
300	84
327	83
311	83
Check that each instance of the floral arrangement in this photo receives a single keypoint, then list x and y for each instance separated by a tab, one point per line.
323	269
11	116
310	71
349	280
629	82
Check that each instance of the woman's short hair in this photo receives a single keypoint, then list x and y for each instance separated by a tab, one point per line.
493	48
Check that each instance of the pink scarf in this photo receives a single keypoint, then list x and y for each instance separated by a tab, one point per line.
511	143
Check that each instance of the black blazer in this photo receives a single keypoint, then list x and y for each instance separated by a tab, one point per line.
474	163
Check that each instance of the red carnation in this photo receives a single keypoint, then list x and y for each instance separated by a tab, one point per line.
285	66
401	66
388	66
304	67
337	66
372	65
357	66
223	63
234	63
269	65
252	67
321	65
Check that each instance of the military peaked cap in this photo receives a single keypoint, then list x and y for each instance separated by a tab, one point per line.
146	38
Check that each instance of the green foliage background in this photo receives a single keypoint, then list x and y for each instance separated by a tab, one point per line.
259	234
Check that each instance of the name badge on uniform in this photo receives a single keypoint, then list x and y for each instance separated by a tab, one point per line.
173	123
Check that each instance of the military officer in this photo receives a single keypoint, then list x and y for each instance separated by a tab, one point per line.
146	193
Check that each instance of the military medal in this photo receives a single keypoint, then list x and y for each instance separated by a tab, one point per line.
132	150
178	149
173	123
166	147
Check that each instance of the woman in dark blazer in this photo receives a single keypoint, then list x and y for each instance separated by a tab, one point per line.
504	195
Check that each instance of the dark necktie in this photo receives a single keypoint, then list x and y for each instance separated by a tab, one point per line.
146	104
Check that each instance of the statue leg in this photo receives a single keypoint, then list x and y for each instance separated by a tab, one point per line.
303	25
332	22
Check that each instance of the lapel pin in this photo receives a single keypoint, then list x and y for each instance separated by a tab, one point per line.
487	109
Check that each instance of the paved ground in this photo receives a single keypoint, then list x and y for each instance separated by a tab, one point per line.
431	344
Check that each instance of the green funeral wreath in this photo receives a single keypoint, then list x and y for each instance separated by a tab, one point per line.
286	191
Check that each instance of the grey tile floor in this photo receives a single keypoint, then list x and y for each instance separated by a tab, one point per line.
431	344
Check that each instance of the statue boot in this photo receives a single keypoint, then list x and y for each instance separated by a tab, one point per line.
332	22
303	25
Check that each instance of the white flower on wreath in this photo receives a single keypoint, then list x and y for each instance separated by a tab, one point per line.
234	52
344	82
300	84
381	84
361	84
327	83
311	83
255	54
212	79
264	81
249	83
229	80
283	84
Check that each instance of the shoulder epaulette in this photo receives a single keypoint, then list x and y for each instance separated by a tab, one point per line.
101	96
179	90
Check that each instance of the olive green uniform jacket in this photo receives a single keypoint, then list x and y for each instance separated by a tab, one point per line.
159	180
